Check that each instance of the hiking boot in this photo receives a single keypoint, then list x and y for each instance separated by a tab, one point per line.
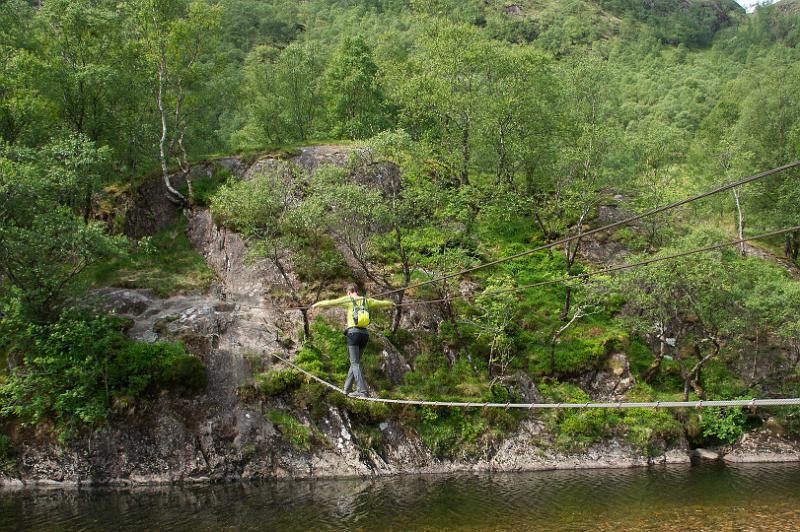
357	395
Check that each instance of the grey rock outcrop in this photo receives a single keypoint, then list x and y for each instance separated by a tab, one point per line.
766	444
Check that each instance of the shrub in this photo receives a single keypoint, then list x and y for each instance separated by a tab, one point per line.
7	461
328	343
720	382
205	187
723	424
309	397
449	433
165	263
370	438
309	359
575	429
647	429
586	347
295	432
183	373
277	381
367	412
76	370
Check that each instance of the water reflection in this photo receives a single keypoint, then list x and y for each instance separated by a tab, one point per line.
707	497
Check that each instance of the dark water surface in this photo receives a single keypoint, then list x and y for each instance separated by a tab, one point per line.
705	497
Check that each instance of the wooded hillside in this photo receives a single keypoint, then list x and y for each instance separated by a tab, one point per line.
475	130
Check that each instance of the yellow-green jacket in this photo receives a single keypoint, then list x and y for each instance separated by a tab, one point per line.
347	303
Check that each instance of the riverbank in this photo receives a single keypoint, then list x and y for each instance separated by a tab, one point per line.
518	453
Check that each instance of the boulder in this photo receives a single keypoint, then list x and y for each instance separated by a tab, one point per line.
705	454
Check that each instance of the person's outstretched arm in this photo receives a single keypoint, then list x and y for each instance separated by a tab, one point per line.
380	303
338	302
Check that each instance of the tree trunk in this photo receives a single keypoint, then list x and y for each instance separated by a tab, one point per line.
87	204
306	323
567	301
398	314
503	166
655	365
692	378
186	169
791	246
571	254
398	311
739	220
173	195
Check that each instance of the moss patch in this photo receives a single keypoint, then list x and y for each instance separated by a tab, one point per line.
165	263
291	429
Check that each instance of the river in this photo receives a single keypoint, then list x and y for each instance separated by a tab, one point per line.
710	496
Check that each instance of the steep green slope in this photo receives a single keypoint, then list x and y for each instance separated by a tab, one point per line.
483	129
693	23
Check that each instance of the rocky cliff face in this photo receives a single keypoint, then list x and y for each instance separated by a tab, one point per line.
220	435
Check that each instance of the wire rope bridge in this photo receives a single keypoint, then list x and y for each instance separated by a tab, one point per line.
605	405
532	406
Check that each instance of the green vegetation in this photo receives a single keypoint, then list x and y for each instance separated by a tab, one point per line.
723	425
648	430
276	382
7	461
206	186
80	369
165	263
295	432
479	130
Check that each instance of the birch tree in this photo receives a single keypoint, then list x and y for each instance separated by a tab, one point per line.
179	41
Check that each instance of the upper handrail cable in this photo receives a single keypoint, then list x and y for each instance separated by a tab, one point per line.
613	225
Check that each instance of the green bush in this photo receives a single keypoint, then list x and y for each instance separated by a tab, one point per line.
649	429
204	187
575	429
367	412
447	432
277	381
434	378
328	345
79	369
182	373
586	347
295	432
310	360
310	397
451	433
724	425
369	437
165	263
719	382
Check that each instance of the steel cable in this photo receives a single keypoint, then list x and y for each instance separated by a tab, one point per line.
613	225
540	406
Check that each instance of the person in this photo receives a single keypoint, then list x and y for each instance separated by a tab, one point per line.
356	332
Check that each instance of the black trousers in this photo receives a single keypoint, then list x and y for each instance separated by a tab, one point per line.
357	339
